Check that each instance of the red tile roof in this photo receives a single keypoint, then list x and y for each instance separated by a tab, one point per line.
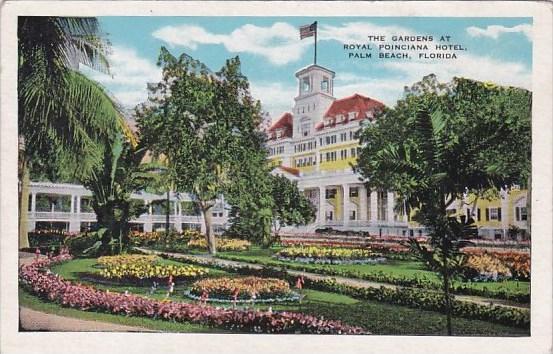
356	103
286	123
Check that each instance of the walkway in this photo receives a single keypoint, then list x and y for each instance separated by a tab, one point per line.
209	260
31	320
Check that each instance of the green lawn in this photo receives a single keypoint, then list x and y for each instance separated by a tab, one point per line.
397	268
377	317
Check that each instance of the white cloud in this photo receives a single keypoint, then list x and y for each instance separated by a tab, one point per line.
494	31
357	32
275	97
279	43
129	75
469	66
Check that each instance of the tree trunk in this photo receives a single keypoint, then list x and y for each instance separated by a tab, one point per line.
167	212
24	204
209	236
447	305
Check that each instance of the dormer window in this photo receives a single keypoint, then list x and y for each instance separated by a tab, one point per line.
351	115
340	118
279	133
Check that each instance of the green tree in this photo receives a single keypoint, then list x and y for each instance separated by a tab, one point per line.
252	202
60	111
442	142
291	207
205	123
121	173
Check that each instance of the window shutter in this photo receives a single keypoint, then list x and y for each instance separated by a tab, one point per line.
517	212
487	214
499	214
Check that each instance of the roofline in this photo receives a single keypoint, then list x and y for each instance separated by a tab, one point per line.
302	70
348	98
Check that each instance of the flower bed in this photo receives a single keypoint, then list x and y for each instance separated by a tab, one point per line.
485	267
113	261
222	244
246	289
328	255
143	271
39	281
518	262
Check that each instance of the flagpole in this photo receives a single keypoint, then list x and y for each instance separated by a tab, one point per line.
315	59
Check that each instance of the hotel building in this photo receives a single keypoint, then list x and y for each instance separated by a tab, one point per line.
315	145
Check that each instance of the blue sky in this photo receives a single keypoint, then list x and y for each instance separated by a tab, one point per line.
497	49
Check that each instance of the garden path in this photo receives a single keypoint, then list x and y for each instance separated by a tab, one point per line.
340	280
31	320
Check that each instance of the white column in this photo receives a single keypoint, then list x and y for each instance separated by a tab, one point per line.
33	202
362	203
374	207
505	211
72	204
322	202
78	204
390	207
345	209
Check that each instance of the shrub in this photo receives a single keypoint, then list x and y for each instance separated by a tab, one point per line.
80	244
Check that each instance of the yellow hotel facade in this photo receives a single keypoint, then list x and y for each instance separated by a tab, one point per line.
315	145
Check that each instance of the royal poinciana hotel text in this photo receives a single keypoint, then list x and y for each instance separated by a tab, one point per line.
315	145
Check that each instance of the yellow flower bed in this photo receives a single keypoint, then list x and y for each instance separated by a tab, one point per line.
245	287
127	259
151	271
223	244
325	252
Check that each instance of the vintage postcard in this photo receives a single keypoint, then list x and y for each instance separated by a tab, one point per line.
276	176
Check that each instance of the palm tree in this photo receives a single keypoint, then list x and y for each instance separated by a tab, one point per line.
60	109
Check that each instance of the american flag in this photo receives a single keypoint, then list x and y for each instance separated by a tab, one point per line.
308	30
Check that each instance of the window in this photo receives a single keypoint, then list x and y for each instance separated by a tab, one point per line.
330	193
521	214
351	135
351	115
493	214
324	84
352	215
305	84
353	152
306	129
354	192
